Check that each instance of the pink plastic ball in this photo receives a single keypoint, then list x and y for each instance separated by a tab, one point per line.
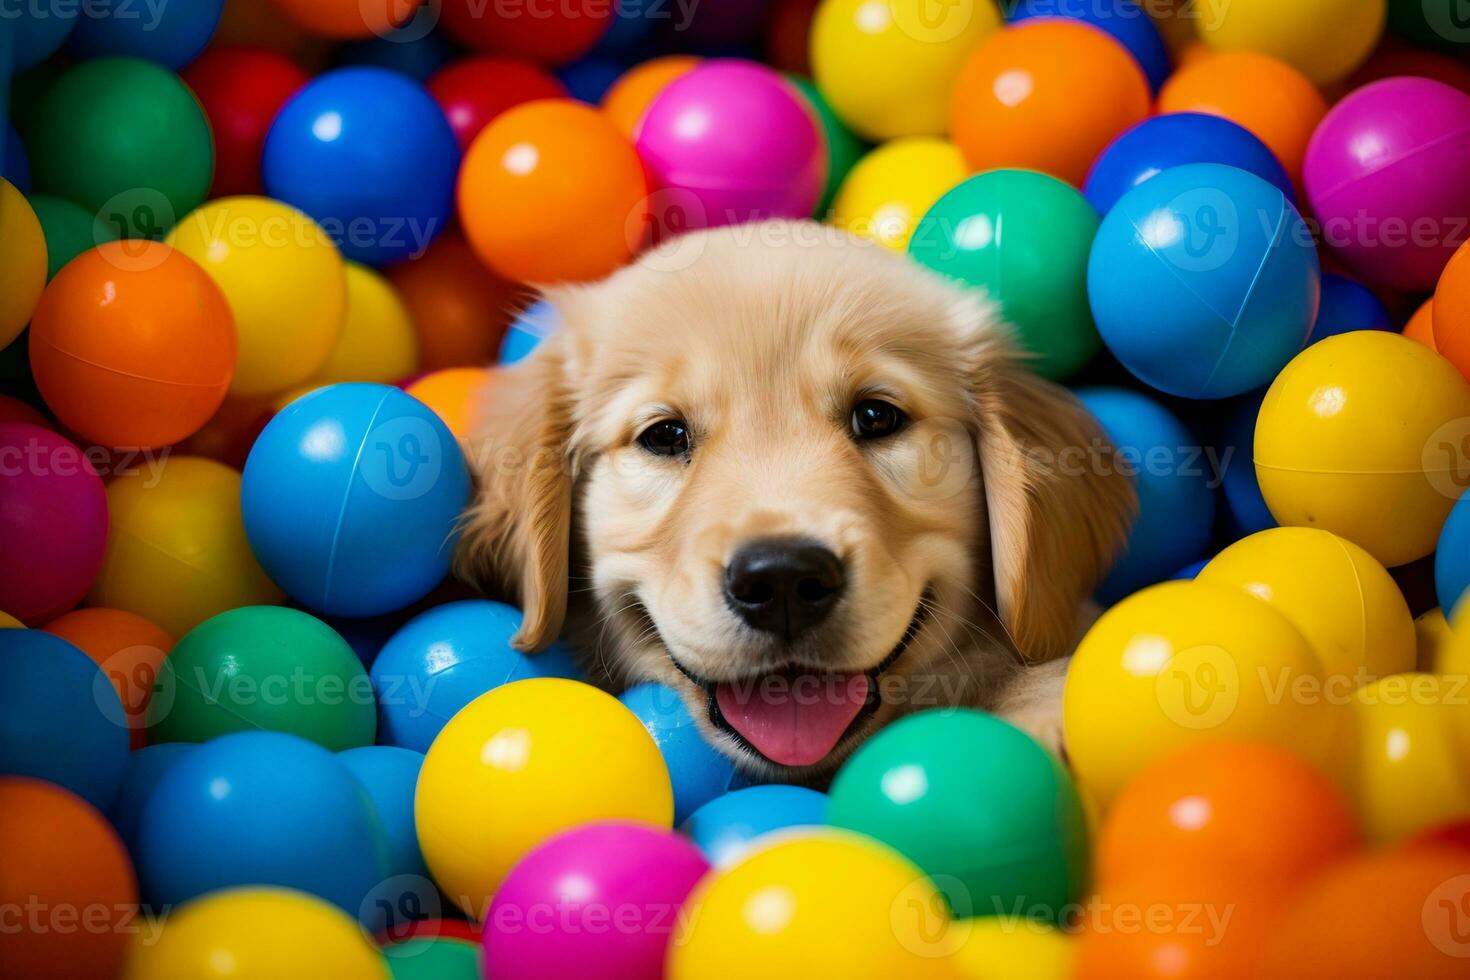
53	523
1385	174
732	141
599	901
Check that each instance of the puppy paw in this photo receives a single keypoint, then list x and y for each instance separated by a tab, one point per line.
1033	703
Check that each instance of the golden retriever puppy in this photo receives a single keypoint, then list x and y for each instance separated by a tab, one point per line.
804	482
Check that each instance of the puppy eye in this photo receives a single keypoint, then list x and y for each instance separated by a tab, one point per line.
875	419
666	438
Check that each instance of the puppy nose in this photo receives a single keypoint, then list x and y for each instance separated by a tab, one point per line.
783	585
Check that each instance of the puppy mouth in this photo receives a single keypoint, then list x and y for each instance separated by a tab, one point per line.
794	716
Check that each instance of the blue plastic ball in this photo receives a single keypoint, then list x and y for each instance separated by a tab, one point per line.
350	497
725	827
589	79
527	332
632	25
1191	571
443	659
1123	20
1243	500
698	771
1174	140
1347	306
410	51
1452	558
368	153
38	33
171	34
1176	505
15	166
146	767
60	717
390	776
261	808
1204	281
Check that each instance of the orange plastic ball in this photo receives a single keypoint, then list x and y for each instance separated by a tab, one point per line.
637	87
552	192
1245	806
453	394
133	345
1046	95
348	19
1270	98
1398	913
128	648
66	886
459	308
1452	311
1421	325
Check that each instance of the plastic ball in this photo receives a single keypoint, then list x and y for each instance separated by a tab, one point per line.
125	139
1431	636
260	808
1123	20
9	622
1183	663
38	32
844	148
23	262
1452	557
15	166
589	79
1174	140
1246	507
414	50
704	175
13	411
474	91
63	862
348	19
552	36
551	191
1340	448
824	897
698	771
377	342
1376	175
537	323
146	767
455	395
1296	34
129	649
630	96
133	345
69	229
1420	327
1347	306
1176	506
434	959
383	192
728	827
443	659
889	190
241	90
888	67
584	875
1341	599
460	310
173	35
389	776
1267	97
1003	948
511	769
176	550
1023	238
263	668
1450	328
1046	95
53	519
377	483
257	934
902	785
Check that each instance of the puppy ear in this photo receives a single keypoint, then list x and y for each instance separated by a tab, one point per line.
1059	509
515	536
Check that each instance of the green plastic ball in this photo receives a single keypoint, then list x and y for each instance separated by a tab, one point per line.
844	148
433	959
126	140
263	668
69	230
976	803
1024	238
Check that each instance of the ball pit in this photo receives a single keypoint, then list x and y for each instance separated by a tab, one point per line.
129	649
434	959
844	148
69	230
1347	306
1451	303
455	395
241	90
1420	327
474	91
729	826
1122	20
630	95
1452	557
459	309
537	323
173	37
146	767
348	19
553	36
890	189
1295	34
23	262
698	771
35	37
377	341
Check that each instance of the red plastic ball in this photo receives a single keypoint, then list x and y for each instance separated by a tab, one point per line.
474	91
241	90
15	410
551	32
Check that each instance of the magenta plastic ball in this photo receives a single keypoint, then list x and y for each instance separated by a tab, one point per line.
599	901
1385	174
733	141
53	523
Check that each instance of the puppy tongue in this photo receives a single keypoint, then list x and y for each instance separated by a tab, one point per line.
793	720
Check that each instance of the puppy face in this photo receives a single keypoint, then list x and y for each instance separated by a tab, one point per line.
797	479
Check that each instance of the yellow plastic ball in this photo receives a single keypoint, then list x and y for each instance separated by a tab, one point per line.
521	763
1413	772
1344	602
886	67
22	262
176	547
284	280
9	622
256	934
1432	636
1362	435
887	192
377	342
998	948
815	904
1188	662
1323	39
